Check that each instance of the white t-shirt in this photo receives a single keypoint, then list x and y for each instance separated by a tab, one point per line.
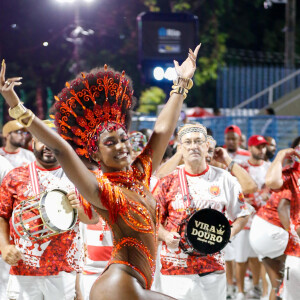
5	167
19	158
241	156
258	174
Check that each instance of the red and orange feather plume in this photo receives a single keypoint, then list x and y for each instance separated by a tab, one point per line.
92	103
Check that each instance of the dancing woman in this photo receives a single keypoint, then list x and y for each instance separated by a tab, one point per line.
92	113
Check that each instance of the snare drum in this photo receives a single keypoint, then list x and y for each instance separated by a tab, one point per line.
48	214
206	231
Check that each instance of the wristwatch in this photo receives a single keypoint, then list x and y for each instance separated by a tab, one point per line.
17	111
188	81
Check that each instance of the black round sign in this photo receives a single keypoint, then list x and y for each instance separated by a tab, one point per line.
207	231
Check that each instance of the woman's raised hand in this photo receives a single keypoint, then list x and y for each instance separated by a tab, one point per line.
188	67
7	87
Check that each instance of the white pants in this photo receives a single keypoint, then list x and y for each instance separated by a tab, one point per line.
266	239
156	286
60	287
229	252
87	282
291	281
242	247
194	287
4	273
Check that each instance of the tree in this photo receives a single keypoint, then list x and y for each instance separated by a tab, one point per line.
150	99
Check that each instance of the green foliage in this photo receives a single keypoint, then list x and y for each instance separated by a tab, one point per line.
181	5
152	5
150	99
209	65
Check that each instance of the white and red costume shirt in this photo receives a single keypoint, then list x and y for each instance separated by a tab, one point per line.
241	156
51	255
214	188
19	158
269	211
98	244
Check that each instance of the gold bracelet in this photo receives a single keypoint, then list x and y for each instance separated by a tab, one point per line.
188	81
179	90
28	114
17	111
174	87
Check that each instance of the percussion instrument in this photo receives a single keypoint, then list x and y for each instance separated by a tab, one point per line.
44	215
206	231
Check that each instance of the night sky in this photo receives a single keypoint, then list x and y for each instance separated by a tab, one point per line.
27	24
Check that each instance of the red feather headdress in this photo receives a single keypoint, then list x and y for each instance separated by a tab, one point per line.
90	104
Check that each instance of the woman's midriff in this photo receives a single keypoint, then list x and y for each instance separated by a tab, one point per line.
138	255
134	235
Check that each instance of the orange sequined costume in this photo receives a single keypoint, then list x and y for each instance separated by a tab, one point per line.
86	107
132	215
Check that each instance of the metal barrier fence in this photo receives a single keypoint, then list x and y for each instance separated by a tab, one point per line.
254	86
283	128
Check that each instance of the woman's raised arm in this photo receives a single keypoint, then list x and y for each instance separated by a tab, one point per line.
167	119
74	168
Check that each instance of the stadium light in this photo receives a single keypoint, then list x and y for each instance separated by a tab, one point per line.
72	1
170	74
158	73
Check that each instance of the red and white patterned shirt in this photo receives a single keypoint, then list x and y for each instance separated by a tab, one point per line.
269	211
291	179
214	188
47	256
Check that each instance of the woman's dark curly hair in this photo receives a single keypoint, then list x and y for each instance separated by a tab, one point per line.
94	101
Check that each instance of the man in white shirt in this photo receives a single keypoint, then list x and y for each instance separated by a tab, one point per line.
257	169
186	276
233	141
14	133
5	167
45	268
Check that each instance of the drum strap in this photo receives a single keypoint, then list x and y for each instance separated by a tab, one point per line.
34	178
183	184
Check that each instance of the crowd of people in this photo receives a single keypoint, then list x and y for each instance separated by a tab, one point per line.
133	192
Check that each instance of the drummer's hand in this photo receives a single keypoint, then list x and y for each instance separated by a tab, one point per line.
73	199
188	67
172	240
7	87
11	255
